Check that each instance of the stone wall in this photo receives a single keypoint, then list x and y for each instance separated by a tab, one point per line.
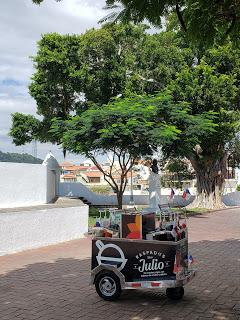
34	228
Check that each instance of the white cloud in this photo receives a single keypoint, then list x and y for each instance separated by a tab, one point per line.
21	26
92	10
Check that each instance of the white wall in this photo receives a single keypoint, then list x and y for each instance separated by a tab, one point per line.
37	228
232	199
80	190
51	185
53	176
22	184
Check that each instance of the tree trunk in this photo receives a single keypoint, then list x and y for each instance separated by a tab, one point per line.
210	174
120	199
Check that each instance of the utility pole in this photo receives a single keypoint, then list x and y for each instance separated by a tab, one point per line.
34	148
131	202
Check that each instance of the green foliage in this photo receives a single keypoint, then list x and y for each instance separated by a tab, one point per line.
129	128
211	87
74	72
195	115
135	125
177	171
121	125
55	84
107	54
93	212
18	158
121	59
180	169
25	128
238	187
204	22
233	150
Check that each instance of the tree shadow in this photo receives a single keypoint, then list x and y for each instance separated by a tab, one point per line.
199	216
60	290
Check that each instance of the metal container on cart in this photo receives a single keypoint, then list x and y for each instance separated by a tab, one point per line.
122	263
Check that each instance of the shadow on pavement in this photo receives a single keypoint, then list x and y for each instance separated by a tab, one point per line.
199	216
60	290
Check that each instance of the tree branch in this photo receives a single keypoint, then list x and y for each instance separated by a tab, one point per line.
119	160
113	159
180	17
105	175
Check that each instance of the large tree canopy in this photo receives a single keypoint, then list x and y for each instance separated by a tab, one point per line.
211	86
128	129
74	71
203	21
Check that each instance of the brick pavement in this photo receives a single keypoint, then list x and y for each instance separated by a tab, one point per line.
52	283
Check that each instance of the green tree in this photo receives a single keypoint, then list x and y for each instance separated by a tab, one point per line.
203	21
211	86
123	59
179	170
56	82
128	129
74	71
25	128
19	158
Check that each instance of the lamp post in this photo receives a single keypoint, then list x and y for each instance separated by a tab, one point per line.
131	202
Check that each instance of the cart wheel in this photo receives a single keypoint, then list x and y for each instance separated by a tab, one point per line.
108	285
175	293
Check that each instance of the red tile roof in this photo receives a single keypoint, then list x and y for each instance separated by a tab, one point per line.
74	168
69	176
93	174
93	168
66	164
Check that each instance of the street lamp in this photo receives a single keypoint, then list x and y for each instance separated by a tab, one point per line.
131	202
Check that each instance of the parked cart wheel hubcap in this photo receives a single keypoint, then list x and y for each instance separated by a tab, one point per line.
107	286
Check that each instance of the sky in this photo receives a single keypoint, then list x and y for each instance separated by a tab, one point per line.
21	25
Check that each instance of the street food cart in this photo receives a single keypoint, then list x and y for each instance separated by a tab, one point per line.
135	252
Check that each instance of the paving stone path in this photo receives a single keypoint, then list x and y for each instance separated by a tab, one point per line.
53	283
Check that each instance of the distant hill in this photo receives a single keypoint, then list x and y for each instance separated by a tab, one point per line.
19	157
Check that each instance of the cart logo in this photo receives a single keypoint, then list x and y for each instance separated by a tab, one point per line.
149	263
118	262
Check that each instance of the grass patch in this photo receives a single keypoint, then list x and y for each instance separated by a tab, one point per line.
93	214
195	211
91	222
190	212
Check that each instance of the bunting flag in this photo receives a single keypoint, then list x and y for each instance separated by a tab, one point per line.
190	259
177	268
184	195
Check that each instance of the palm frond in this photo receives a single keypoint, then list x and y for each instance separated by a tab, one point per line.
113	16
